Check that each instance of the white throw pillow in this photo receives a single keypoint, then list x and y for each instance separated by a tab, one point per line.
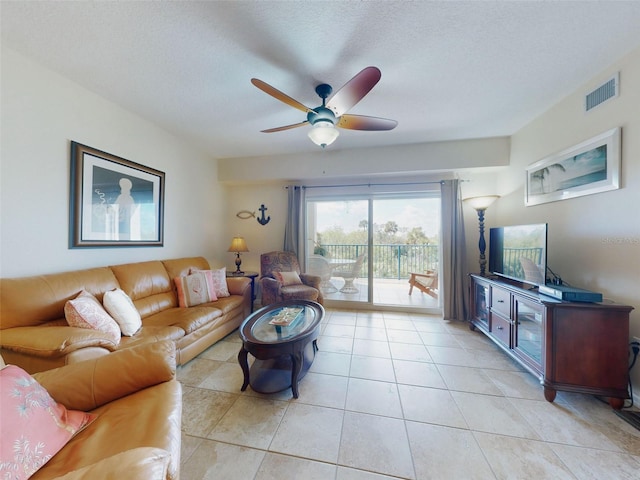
123	311
287	278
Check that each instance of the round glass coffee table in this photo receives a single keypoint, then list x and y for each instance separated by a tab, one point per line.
282	338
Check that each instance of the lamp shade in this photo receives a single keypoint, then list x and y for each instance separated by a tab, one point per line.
238	245
323	133
481	203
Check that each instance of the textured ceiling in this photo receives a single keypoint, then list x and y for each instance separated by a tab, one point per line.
450	70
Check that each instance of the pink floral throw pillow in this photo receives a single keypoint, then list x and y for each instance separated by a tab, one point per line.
219	280
195	289
34	426
85	311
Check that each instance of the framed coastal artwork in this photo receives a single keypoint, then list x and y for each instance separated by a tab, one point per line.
114	202
592	166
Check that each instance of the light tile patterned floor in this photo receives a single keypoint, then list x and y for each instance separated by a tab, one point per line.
397	396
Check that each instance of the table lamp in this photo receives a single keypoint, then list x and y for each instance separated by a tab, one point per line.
238	245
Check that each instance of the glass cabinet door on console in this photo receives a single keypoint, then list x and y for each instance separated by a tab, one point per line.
480	302
529	334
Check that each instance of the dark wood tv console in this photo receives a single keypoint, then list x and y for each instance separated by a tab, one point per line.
569	346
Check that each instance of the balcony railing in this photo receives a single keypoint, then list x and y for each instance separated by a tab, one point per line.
398	261
390	261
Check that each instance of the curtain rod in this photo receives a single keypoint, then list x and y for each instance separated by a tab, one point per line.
371	184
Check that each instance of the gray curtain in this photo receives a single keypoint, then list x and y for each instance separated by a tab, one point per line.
294	228
455	299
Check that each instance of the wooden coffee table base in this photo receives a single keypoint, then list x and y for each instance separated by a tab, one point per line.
270	375
283	350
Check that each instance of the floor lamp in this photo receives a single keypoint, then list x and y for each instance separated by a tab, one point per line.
480	204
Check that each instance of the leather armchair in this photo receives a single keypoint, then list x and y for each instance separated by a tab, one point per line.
273	291
138	402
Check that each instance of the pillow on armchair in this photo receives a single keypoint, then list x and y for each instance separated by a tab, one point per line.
281	279
287	278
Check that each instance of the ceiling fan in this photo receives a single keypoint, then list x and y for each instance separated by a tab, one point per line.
333	112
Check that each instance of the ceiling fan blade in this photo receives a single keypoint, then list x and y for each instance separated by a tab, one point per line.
354	91
362	122
286	127
275	93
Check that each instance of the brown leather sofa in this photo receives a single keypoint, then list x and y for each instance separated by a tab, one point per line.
138	405
35	335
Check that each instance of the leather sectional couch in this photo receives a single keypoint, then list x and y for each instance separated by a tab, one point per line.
137	404
35	335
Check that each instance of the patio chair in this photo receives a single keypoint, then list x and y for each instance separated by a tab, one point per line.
425	282
532	272
318	265
349	273
307	288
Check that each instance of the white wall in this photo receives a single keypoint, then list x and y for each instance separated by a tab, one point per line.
41	113
594	241
250	196
334	163
259	238
254	181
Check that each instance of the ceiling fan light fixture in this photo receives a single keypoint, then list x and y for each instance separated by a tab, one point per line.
323	133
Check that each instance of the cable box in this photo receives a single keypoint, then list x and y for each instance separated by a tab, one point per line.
570	294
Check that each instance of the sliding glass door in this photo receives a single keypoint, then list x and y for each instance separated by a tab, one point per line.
338	231
366	249
405	241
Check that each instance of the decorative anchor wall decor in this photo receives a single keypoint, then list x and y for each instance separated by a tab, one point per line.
246	214
262	220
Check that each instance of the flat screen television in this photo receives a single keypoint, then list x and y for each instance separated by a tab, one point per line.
519	252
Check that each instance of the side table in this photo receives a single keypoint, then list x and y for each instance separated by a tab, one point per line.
250	275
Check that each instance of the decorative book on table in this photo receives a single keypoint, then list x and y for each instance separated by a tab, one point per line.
286	317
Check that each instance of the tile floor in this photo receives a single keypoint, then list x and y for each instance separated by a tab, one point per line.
397	396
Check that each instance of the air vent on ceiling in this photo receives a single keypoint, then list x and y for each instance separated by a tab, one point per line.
604	92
